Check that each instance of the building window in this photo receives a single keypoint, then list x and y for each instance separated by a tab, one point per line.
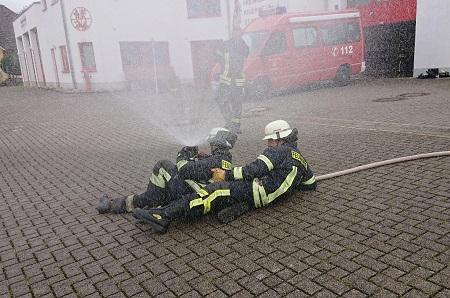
203	8
145	53
64	59
44	5
87	56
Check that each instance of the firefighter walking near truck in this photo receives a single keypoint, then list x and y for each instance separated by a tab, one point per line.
231	56
274	175
168	181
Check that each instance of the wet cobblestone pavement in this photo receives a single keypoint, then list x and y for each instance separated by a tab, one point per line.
383	232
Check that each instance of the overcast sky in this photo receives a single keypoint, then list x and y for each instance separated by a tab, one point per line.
16	5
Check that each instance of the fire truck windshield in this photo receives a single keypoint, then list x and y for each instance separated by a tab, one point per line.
254	40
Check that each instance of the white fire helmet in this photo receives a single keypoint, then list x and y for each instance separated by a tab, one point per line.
222	137
277	129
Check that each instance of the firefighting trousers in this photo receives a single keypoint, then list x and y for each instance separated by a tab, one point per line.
229	99
164	187
217	196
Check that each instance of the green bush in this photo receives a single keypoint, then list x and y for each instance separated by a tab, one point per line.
10	65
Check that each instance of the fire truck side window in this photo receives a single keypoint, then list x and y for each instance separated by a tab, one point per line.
353	32
305	37
340	33
276	44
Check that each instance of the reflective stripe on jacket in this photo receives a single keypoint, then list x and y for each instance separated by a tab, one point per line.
275	173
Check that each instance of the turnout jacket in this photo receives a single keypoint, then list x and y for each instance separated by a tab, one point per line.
197	172
276	172
232	55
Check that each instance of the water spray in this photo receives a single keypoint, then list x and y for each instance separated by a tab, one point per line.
184	116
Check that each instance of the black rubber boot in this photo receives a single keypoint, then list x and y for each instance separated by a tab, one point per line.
155	217
231	213
104	205
119	205
160	218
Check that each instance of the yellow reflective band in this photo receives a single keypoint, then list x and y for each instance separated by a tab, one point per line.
161	179
195	203
181	163
157	216
164	173
206	202
262	193
227	64
226	165
266	161
287	183
237	173
256	198
310	181
158	181
194	185
299	157
202	192
225	80
129	206
209	199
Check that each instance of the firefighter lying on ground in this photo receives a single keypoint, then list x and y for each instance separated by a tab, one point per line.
274	175
169	181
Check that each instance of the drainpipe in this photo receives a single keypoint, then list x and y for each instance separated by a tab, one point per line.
154	67
229	18
69	51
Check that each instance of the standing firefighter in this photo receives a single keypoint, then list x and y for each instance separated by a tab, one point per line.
231	56
275	174
169	181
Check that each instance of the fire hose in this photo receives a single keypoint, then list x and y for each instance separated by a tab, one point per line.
382	163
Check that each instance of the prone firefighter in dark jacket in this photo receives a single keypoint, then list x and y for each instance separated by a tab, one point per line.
274	175
168	181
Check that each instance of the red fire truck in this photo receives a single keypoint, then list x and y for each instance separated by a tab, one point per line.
291	49
389	30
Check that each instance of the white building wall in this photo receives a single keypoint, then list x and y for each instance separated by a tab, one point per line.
48	26
432	47
129	20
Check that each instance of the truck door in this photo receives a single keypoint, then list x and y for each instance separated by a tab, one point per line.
305	54
276	60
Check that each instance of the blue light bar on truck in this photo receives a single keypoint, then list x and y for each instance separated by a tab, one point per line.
325	17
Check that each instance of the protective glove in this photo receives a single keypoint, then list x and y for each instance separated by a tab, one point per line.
218	174
189	152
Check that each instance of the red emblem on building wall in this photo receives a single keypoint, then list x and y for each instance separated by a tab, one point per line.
81	18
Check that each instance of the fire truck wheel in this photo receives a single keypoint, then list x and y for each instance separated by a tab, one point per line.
342	76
